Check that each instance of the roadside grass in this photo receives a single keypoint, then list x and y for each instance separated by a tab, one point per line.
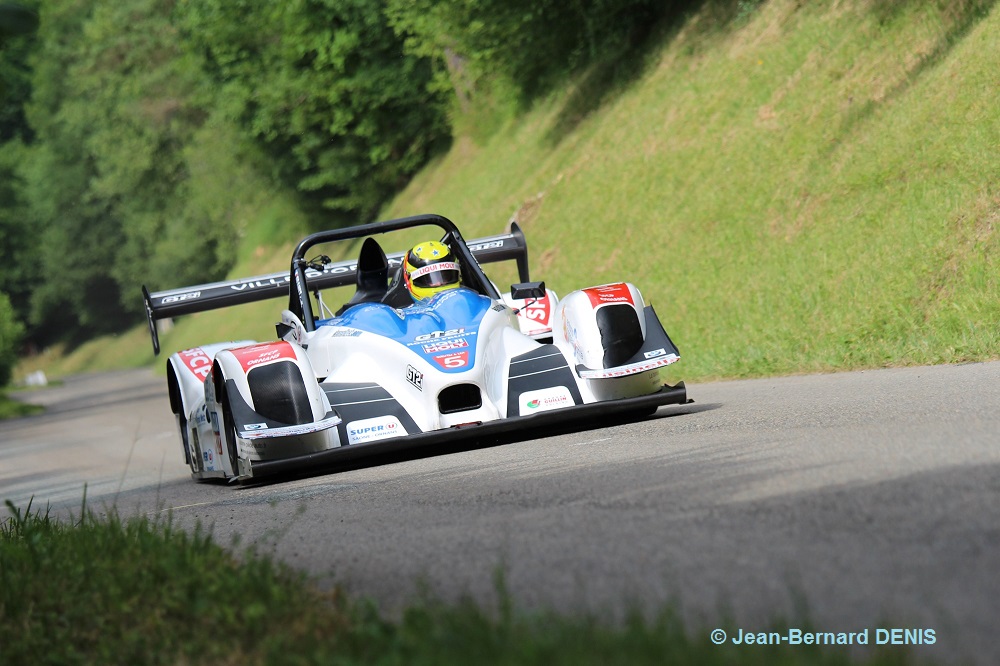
12	409
140	591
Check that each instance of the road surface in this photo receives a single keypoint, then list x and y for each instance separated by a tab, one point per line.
861	500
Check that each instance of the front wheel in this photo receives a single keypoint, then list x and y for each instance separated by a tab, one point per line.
191	460
229	428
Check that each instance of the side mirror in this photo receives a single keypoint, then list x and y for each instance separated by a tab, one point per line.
526	290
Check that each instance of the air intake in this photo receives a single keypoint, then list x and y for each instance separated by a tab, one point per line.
459	398
279	393
621	334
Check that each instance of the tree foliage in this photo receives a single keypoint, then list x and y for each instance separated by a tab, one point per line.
529	44
140	138
11	331
325	85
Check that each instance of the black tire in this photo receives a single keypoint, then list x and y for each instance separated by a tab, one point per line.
191	461
229	429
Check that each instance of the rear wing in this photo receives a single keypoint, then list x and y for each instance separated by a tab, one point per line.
216	295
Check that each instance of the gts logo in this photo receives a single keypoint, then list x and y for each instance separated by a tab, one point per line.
440	334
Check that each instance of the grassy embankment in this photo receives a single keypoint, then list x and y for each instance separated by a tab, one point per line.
814	189
114	591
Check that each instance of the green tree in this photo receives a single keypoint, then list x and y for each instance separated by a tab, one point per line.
11	331
16	19
526	44
17	25
347	117
77	230
115	105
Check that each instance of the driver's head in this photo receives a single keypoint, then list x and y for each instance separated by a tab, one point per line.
429	268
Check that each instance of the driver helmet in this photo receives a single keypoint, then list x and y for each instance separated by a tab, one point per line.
430	268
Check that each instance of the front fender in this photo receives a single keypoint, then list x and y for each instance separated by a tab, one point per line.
601	326
186	374
611	333
275	380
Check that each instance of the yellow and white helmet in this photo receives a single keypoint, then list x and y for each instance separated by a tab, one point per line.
429	268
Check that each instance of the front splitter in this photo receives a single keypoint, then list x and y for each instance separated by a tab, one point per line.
667	395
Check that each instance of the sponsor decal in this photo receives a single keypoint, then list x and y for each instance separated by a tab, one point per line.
415	377
543	400
370	430
257	284
499	307
571	337
259	447
656	352
633	369
346	333
289	431
433	268
214	417
610	293
492	245
255	426
180	297
197	361
450	333
330	269
453	361
445	345
251	357
204	456
537	311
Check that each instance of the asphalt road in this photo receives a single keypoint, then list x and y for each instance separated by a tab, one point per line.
863	500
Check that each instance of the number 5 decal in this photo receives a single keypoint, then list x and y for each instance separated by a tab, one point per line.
453	361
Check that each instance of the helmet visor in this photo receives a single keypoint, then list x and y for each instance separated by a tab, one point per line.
436	275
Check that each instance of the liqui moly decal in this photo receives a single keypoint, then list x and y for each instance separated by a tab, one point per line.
610	293
251	357
197	361
445	345
433	268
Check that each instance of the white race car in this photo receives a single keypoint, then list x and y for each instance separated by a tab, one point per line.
384	372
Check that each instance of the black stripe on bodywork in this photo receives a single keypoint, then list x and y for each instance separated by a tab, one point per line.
358	401
542	368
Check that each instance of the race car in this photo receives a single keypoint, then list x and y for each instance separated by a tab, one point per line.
424	350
